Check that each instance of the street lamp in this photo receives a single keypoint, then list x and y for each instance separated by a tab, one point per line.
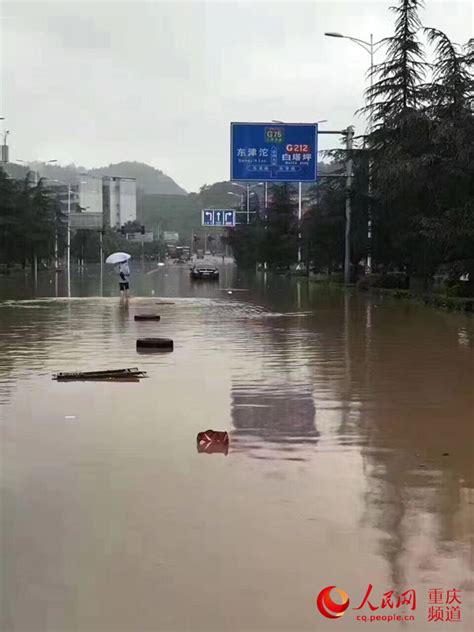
239	195
370	47
247	189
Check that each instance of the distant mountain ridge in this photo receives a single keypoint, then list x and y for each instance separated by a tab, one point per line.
150	181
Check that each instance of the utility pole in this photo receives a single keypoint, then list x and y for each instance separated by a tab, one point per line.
101	250
68	241
101	254
347	242
370	47
56	263
368	265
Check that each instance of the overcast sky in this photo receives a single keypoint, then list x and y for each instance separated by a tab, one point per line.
159	82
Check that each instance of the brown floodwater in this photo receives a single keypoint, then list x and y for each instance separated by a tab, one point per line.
349	462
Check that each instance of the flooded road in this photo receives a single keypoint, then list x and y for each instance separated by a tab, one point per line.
350	460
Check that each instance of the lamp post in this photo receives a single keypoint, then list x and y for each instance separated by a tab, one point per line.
247	189
347	236
239	195
370	47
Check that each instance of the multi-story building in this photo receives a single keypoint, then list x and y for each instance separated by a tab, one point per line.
90	194
119	200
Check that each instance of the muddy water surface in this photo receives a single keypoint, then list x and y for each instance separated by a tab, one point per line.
350	460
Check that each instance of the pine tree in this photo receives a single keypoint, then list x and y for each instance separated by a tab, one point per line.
397	90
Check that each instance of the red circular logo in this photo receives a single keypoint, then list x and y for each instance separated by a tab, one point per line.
330	608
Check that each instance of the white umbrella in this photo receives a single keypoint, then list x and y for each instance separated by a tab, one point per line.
118	257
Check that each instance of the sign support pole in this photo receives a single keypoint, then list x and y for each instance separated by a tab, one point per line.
248	204
266	212
299	221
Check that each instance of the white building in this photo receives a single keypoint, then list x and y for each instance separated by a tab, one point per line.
120	200
90	194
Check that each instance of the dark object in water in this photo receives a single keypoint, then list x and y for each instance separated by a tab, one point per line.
445	453
108	374
165	303
162	344
147	317
212	441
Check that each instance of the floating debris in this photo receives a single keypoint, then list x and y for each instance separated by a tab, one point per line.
213	441
109	374
161	344
147	317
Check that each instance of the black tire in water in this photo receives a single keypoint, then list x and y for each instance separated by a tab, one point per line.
147	317
158	344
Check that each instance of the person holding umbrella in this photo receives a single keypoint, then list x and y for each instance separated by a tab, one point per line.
120	260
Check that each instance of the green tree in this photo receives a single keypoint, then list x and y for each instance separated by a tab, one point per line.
29	217
279	239
421	148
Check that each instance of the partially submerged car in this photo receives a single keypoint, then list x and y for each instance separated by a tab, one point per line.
204	270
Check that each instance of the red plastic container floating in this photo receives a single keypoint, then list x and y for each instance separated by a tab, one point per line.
212	441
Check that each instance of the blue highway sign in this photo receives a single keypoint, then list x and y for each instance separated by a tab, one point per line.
218	217
274	153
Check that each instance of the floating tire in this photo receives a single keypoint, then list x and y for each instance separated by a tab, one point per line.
154	344
147	317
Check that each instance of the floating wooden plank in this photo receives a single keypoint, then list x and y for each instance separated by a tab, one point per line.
108	374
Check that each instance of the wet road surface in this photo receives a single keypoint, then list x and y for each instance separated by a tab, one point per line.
350	458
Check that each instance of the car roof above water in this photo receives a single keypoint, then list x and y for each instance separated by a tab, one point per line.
205	265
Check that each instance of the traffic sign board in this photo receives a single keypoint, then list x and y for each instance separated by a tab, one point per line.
218	217
273	152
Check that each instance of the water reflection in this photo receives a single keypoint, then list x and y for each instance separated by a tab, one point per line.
276	413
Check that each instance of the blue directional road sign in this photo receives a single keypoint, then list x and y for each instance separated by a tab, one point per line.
218	217
274	153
